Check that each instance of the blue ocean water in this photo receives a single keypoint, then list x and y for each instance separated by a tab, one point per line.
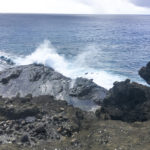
105	48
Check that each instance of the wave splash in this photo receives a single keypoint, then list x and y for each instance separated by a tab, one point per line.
46	54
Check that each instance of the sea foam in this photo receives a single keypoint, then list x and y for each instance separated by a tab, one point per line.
46	54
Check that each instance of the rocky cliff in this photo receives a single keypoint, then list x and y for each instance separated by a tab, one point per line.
41	80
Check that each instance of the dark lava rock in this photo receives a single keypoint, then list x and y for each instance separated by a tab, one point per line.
70	129
144	72
36	80
86	89
24	139
20	122
40	129
19	112
127	102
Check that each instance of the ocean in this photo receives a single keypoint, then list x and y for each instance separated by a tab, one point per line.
105	48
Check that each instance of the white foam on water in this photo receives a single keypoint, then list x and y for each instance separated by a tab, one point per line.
3	61
46	54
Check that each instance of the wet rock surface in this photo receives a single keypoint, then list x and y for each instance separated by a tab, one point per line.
39	80
127	102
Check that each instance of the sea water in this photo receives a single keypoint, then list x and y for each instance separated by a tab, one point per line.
105	48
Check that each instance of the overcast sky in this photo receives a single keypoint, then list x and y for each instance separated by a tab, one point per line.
76	6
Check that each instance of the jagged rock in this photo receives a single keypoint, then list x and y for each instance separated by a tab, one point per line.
86	89
7	76
144	72
27	81
35	80
127	101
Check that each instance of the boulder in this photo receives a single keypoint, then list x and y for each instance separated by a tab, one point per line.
127	102
86	89
144	72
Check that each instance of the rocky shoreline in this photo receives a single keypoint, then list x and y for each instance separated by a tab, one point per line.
39	80
40	109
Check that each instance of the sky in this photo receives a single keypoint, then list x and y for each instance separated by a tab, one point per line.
76	6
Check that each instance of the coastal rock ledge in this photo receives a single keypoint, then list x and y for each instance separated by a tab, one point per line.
32	119
37	80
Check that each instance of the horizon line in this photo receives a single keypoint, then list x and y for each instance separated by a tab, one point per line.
17	13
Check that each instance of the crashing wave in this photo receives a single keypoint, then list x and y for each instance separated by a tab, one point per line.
46	54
